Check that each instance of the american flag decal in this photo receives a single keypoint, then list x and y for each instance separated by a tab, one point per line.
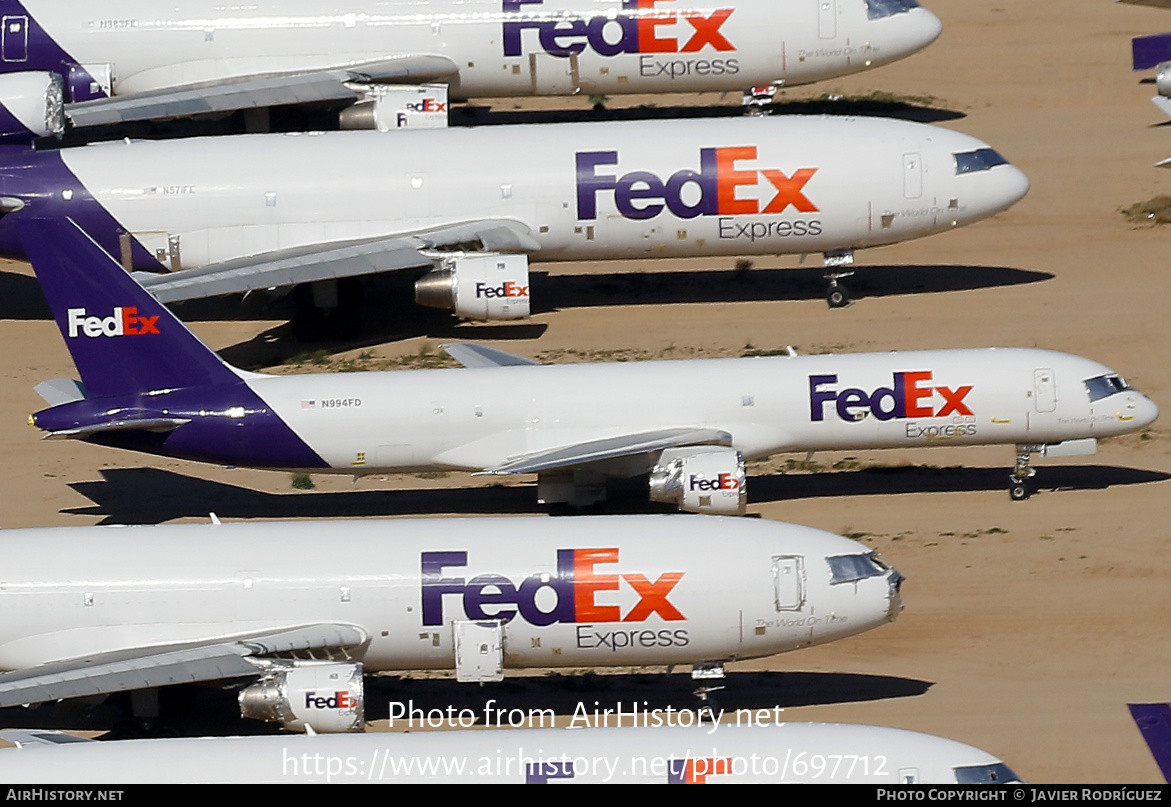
308	404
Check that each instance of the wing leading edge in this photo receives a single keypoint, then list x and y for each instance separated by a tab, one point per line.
253	92
142	669
332	261
609	448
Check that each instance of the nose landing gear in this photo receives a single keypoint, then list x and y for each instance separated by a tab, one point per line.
1019	487
837	295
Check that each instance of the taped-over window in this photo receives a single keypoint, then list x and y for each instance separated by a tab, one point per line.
877	9
969	162
850	568
1104	386
997	773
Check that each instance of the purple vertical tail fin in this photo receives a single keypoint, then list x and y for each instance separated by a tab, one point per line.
122	340
1154	721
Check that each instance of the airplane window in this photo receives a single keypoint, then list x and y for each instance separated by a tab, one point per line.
851	568
1104	386
978	160
996	774
877	9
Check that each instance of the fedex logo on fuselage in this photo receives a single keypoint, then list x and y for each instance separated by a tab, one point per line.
568	596
711	191
123	322
648	30
909	396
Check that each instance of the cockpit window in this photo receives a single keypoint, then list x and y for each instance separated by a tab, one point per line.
996	774
877	9
851	568
1104	386
968	162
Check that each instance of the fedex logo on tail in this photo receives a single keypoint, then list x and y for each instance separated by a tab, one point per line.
651	28
123	322
713	190
911	395
569	596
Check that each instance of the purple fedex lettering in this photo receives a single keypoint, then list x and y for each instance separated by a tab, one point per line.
642	194
904	399
496	591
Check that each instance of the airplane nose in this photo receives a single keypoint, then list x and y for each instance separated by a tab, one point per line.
1147	411
987	193
901	34
923	28
895	580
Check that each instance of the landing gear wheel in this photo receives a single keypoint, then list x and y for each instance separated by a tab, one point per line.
837	296
1019	491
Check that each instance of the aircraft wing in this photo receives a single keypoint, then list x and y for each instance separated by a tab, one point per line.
470	354
252	92
609	448
127	670
337	260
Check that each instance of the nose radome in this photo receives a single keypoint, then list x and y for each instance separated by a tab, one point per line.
1148	411
923	28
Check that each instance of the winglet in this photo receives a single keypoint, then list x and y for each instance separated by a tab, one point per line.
122	339
1154	721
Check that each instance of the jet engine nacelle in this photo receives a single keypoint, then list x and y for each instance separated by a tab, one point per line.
1163	79
325	696
701	480
478	287
32	104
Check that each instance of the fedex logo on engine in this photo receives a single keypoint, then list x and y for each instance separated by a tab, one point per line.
428	105
568	596
714	190
911	395
721	482
506	289
647	30
335	700
123	322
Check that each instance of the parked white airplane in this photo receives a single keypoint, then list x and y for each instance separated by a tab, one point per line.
475	205
815	753
136	59
150	385
94	610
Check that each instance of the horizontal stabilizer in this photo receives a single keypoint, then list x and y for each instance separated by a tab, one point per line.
610	448
60	391
139	425
332	261
154	667
1154	721
253	92
472	355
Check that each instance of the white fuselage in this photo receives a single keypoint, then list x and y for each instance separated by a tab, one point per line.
73	592
499	47
476	419
769	752
683	188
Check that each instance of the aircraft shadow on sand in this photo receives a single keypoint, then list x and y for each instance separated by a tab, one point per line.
153	496
191	710
389	315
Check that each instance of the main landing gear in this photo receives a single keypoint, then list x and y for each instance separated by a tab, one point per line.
837	295
1019	487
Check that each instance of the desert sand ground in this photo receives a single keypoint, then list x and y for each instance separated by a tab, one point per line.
1028	626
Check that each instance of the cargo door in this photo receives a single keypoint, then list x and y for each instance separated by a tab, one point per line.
479	651
553	75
